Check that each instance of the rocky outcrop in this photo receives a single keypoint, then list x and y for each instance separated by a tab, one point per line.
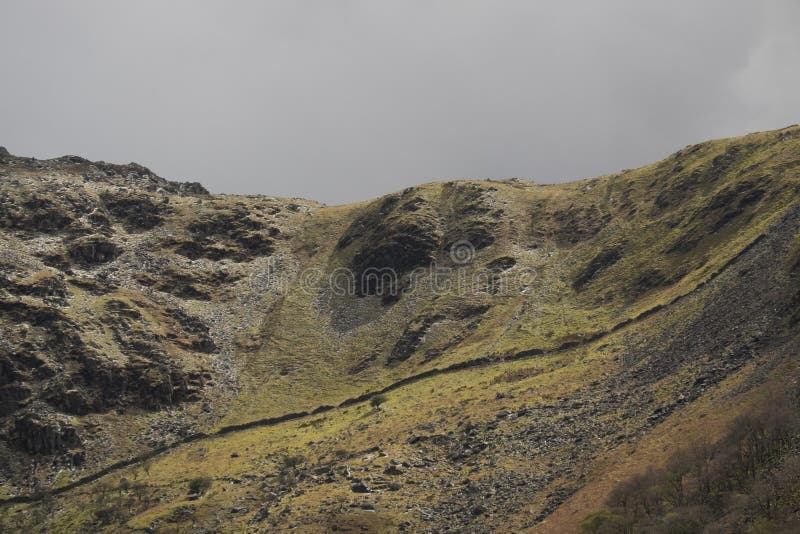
604	259
12	394
43	284
34	211
388	240
116	290
135	210
226	233
93	250
472	215
199	284
501	264
568	225
44	433
411	338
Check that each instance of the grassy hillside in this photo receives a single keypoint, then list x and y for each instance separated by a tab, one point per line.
536	346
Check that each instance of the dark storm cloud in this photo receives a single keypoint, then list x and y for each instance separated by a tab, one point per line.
343	101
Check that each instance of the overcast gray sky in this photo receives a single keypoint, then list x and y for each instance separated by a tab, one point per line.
346	100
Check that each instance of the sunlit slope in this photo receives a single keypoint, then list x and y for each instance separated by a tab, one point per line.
494	448
552	266
567	323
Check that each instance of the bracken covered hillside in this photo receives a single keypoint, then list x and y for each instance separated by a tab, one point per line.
178	361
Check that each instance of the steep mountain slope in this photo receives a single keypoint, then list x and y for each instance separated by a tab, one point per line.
515	340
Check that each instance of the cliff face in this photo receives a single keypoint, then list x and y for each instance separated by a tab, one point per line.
520	334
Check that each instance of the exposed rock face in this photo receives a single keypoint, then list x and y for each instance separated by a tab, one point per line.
568	225
194	284
393	237
136	211
605	258
43	433
93	250
462	319
403	232
222	233
47	354
472	215
93	317
501	264
410	340
11	395
42	284
37	211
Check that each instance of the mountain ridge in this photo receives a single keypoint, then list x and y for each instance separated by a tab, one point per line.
179	315
4	153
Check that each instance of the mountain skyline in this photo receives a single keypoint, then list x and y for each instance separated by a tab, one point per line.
346	103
